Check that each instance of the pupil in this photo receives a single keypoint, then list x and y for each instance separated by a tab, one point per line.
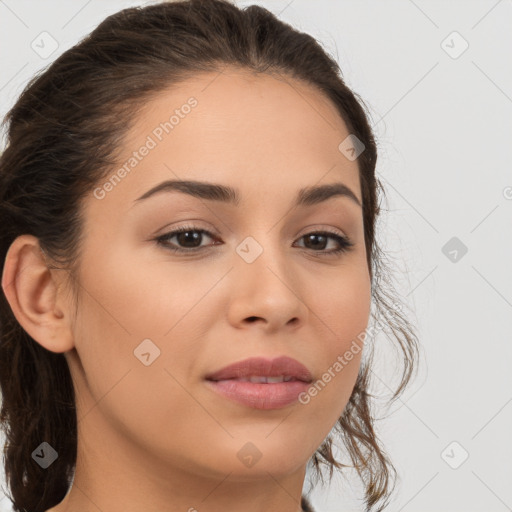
193	235
316	238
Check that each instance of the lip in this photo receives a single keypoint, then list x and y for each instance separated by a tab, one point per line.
265	367
261	395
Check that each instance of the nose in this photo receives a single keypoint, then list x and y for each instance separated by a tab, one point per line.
266	291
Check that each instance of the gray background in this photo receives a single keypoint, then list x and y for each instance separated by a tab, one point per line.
443	118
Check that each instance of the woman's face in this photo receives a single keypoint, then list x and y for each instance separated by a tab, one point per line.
152	324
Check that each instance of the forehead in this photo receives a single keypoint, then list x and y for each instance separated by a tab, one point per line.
262	134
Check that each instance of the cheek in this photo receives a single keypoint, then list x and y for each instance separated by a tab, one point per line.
144	297
346	310
121	308
125	302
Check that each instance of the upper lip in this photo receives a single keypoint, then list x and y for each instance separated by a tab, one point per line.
260	366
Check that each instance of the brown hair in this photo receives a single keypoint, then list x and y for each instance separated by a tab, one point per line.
64	136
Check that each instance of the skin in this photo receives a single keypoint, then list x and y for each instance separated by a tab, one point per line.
155	437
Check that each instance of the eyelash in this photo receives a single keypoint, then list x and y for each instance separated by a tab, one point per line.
345	243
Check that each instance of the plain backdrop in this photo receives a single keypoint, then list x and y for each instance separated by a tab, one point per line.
437	78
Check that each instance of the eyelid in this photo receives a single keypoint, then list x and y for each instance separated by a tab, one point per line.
189	225
319	228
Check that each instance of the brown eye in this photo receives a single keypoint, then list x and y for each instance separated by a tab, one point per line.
317	242
189	238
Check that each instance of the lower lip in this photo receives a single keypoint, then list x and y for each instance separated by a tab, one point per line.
260	396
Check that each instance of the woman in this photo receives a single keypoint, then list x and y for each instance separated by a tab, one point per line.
189	204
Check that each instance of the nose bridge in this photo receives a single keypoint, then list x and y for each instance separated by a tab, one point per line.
265	275
262	251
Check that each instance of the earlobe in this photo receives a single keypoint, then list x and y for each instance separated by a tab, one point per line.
33	294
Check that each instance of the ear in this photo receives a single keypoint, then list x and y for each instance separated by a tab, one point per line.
33	292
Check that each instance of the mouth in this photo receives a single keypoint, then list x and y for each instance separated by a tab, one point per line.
260	370
261	383
258	379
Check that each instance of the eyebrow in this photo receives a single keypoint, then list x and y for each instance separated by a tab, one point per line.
216	192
